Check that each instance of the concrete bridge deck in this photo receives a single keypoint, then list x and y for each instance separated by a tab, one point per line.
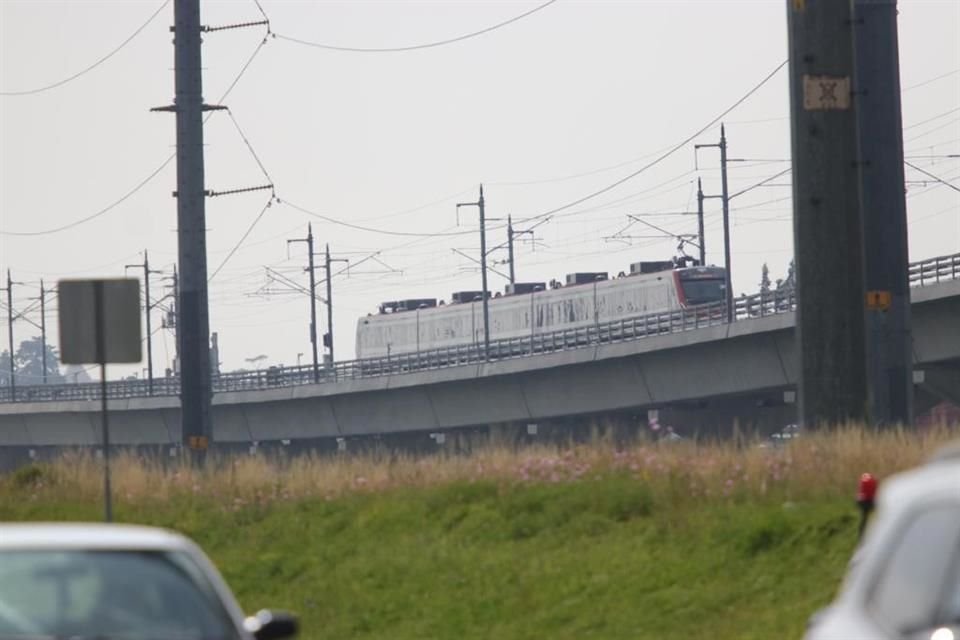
752	357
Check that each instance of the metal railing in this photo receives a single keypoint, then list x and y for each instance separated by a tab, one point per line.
926	272
934	270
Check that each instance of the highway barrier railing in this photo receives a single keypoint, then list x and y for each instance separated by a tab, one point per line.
934	270
923	273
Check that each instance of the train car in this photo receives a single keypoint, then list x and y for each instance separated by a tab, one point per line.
529	309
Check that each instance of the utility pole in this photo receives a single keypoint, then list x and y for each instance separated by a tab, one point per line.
483	270
725	199
827	221
193	322
173	322
511	234
328	337
883	207
13	373
513	276
147	307
43	331
313	299
703	244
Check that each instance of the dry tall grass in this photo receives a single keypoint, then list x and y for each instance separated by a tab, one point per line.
816	465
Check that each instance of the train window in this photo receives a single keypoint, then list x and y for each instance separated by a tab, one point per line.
703	291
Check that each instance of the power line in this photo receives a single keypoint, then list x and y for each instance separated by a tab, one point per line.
930	175
934	79
931	146
417	208
60	83
246	141
428	45
765	202
244	237
262	12
81	269
632	196
240	74
99	213
761	183
574	176
936	117
146	180
669	153
385	232
951	122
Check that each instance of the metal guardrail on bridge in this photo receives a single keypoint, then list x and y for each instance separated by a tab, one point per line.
922	273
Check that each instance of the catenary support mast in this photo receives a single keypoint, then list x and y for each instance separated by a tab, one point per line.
193	323
883	206
827	222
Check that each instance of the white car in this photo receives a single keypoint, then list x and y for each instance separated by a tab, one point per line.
118	582
904	580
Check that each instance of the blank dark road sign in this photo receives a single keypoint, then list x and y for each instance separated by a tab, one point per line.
80	328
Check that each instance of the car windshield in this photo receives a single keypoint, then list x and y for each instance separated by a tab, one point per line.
128	595
703	291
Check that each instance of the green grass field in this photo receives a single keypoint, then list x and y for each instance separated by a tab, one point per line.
648	543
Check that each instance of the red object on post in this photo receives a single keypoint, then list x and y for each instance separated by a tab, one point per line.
868	488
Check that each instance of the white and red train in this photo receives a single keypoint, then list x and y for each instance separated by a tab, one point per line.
529	309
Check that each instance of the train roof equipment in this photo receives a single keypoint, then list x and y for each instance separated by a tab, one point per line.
524	287
586	277
460	297
411	304
652	266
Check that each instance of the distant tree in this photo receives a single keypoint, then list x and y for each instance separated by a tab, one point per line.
5	369
787	286
791	280
29	363
765	279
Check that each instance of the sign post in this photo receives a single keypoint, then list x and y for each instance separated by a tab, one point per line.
100	324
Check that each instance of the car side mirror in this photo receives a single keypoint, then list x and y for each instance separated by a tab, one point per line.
272	625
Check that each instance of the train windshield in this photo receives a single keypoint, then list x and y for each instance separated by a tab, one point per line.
703	290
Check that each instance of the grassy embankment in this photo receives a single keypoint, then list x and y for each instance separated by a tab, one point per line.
654	541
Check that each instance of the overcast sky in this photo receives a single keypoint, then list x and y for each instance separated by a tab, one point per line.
543	111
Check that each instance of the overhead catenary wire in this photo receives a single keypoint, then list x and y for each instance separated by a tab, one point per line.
932	118
97	63
670	152
930	175
414	47
949	123
761	183
421	207
386	232
246	234
931	80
